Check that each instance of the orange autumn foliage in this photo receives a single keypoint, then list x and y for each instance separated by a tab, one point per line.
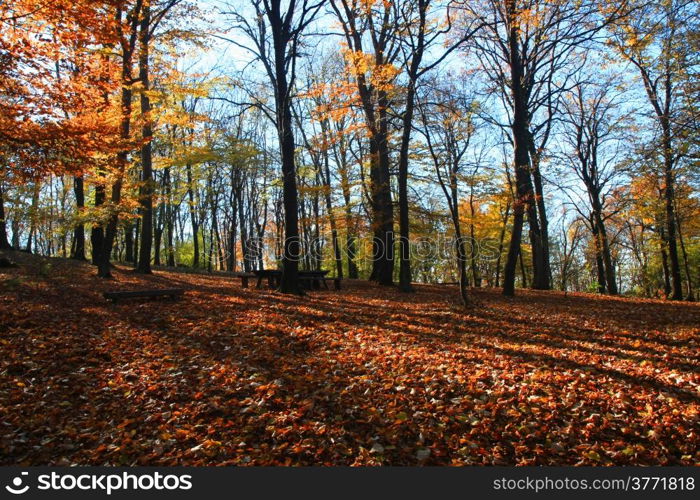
56	81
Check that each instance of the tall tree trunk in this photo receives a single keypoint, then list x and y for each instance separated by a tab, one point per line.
97	231
686	266
381	192
669	197
157	234
599	264
523	273
290	258
78	249
4	242
144	264
664	264
513	249
472	236
610	280
110	231
245	244
407	126
460	246
217	245
33	216
501	239
170	248
169	219
545	280
524	201
461	252
315	234
193	216
129	243
350	239
137	232
326	177
16	230
231	259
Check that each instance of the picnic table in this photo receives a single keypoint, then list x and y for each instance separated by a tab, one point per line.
244	278
312	279
273	277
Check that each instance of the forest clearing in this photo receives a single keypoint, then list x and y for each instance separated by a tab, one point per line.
360	376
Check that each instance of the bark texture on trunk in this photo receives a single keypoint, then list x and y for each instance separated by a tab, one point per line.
144	263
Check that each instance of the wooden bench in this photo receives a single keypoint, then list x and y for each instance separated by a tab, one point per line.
314	282
244	278
134	294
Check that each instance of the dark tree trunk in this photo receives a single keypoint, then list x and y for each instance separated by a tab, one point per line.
404	223
610	280
474	263
599	265
129	243
381	192
231	261
170	248
245	242
350	238
169	218
33	217
664	265
4	242
15	233
524	201
523	273
521	204
315	234
144	264
78	248
669	196
281	37
137	232
326	177
501	239
157	235
407	126
110	231
193	216
686	266
460	247
545	279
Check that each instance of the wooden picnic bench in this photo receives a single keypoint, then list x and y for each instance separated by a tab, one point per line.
244	278
313	279
310	279
134	294
318	277
273	276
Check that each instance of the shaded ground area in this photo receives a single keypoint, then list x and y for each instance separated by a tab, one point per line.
360	376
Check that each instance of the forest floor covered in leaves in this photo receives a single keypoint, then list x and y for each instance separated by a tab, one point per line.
361	376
